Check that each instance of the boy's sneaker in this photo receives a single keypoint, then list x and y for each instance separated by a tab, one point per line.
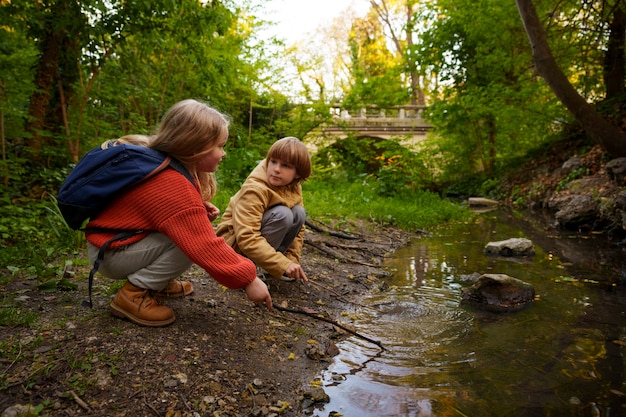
264	275
261	273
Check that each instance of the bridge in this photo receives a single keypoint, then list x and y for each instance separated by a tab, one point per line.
403	122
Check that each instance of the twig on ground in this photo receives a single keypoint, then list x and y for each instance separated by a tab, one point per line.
79	401
342	245
336	255
18	356
333	322
339	296
151	408
330	232
184	402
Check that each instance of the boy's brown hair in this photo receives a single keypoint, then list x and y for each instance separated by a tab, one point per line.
292	151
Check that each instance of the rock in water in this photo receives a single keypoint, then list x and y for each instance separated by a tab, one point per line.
511	247
498	293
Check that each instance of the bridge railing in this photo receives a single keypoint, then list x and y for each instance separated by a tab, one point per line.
396	121
375	112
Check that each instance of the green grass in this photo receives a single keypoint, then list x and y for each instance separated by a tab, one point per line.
410	211
11	315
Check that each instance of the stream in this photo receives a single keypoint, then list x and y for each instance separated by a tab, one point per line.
564	355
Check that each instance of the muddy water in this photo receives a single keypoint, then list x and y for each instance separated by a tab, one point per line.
562	356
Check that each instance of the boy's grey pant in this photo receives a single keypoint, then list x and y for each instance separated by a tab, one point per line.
280	225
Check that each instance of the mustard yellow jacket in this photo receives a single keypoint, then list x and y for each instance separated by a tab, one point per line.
240	225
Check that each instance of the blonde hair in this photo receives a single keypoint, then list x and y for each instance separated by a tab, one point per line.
139	140
189	130
292	151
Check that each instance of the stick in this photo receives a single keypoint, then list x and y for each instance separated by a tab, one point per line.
79	401
334	323
322	248
341	297
329	232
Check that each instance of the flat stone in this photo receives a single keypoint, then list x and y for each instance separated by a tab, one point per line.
511	247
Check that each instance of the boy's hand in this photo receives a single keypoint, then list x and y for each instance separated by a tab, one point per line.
295	271
211	211
257	291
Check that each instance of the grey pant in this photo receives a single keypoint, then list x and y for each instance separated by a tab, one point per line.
280	225
150	263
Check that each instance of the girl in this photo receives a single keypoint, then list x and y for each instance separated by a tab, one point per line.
177	216
265	219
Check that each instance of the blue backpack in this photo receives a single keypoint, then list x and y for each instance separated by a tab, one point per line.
102	175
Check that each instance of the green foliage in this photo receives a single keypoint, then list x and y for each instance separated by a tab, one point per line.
378	73
122	64
574	174
17	59
401	171
473	185
236	167
33	235
386	165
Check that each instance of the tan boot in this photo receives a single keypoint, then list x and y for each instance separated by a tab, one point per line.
139	306
176	288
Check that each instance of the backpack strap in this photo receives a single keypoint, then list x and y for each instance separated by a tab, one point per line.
178	166
120	236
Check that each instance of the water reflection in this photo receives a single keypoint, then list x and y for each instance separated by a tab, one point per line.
562	356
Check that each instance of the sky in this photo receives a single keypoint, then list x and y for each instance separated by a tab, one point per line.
295	18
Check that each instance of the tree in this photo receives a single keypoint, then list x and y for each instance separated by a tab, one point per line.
17	58
402	20
487	107
130	61
609	136
59	29
377	72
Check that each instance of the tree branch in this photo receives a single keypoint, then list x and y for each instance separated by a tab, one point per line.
334	323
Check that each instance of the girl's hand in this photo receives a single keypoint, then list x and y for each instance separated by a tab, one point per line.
295	271
257	291
211	211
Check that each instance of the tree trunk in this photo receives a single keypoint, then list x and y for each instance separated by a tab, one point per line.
3	139
57	70
614	57
382	9
597	127
44	81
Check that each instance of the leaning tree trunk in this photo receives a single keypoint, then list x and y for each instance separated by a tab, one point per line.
609	136
614	58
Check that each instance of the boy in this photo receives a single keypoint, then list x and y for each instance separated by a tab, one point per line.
265	219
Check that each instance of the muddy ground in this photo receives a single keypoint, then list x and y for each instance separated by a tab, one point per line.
223	356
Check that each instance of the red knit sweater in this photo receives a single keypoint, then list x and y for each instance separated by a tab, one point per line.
170	204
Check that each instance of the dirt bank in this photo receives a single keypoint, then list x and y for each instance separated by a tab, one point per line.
223	356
